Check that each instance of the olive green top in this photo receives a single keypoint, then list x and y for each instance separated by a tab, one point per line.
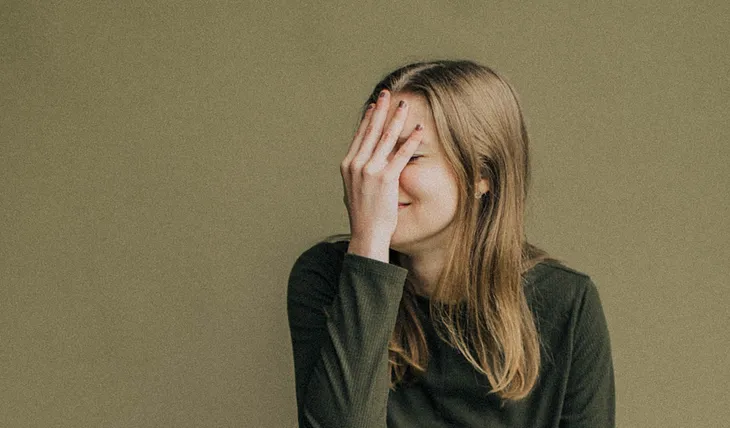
342	309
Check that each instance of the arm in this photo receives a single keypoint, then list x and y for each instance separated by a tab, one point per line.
342	309
590	396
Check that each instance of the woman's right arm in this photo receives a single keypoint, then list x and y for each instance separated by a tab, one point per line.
342	309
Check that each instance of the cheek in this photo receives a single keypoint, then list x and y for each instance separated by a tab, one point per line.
412	180
428	183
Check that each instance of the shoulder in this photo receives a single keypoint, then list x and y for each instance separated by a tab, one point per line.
555	290
313	284
575	350
322	253
318	265
315	277
326	259
568	313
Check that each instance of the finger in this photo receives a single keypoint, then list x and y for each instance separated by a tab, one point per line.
390	135
359	134
404	153
374	128
347	189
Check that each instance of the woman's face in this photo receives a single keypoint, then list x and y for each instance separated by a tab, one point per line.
428	188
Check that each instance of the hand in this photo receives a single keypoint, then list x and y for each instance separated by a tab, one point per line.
370	178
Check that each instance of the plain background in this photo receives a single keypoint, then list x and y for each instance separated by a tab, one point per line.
164	164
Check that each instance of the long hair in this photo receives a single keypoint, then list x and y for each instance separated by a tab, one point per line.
479	304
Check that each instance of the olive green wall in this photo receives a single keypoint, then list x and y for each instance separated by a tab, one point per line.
163	165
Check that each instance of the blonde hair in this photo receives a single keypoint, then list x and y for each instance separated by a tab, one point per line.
479	304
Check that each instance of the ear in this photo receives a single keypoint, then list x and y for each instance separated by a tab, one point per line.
483	185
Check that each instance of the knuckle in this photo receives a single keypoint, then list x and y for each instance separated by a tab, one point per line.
370	170
356	164
389	175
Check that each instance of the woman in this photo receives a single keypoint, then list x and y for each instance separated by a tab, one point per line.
436	312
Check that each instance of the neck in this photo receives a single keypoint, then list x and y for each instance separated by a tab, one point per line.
424	269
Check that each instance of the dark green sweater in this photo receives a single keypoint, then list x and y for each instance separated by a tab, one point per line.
342	309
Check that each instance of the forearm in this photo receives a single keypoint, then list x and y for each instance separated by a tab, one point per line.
347	383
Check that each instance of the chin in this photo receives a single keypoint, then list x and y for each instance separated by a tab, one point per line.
400	244
410	242
396	244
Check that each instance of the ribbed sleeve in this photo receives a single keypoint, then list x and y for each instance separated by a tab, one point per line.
590	394
342	309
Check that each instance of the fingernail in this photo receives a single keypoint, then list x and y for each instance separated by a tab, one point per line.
419	127
382	93
370	107
401	104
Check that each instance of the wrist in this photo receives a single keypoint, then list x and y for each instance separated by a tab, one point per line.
369	248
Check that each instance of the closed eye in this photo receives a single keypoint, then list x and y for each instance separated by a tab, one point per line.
414	157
